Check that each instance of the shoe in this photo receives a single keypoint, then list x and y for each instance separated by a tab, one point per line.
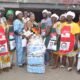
6	69
24	64
46	63
62	66
69	68
21	66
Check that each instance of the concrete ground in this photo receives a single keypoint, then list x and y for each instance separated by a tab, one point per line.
51	74
56	74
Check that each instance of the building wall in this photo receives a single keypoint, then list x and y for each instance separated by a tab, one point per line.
45	1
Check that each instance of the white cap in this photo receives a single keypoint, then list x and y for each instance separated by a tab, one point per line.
45	11
63	15
17	13
70	13
55	15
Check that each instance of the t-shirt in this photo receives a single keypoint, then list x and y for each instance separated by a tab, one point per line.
47	22
75	29
58	25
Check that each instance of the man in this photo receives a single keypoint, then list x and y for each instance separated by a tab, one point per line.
46	20
18	29
45	24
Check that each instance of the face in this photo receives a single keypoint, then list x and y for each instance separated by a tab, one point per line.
49	14
20	15
11	17
32	17
62	18
69	18
44	15
25	14
54	19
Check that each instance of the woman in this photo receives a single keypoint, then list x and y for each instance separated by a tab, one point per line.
32	25
54	18
5	63
18	30
61	24
75	30
35	47
10	32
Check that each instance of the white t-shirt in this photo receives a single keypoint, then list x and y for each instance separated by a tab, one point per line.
47	22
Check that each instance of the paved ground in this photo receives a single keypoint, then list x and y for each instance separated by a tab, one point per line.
57	74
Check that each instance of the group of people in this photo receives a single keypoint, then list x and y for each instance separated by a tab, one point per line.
21	29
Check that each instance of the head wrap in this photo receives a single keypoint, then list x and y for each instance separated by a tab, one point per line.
17	13
9	12
55	15
45	11
63	15
70	13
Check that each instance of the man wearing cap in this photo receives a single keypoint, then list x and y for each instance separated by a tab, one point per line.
45	24
18	29
46	18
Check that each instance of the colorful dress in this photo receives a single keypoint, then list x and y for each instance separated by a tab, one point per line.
74	30
11	41
4	59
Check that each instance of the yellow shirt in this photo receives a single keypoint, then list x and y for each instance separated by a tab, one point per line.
59	26
75	29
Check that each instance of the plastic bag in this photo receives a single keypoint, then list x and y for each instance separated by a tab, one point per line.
36	46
